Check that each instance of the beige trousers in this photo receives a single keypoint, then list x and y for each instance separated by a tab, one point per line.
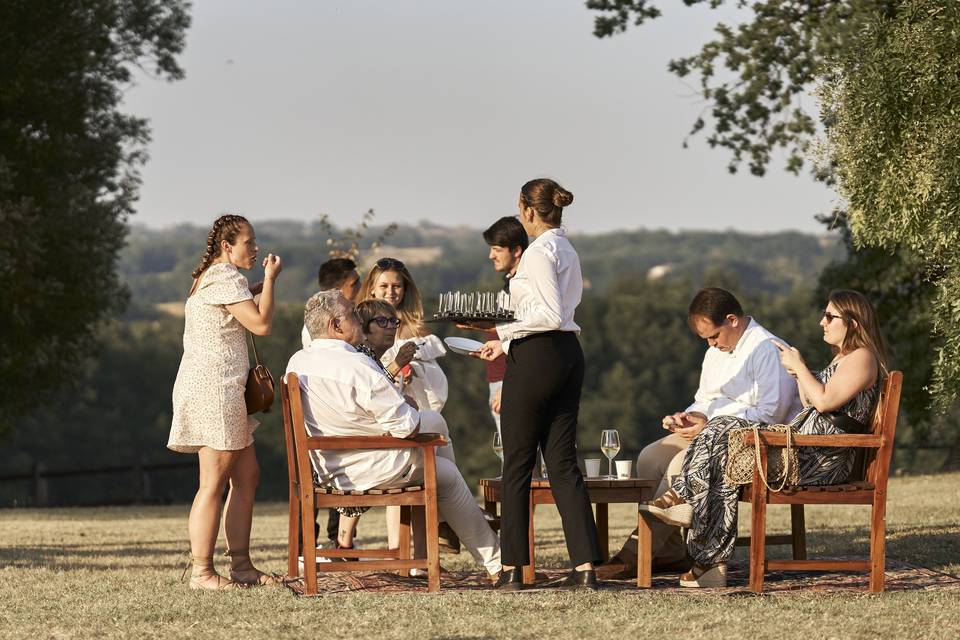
663	460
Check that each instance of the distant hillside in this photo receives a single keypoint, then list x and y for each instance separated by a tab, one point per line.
156	264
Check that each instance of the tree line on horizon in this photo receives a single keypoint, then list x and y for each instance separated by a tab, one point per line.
642	359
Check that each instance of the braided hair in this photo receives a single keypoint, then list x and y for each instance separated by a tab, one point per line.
226	227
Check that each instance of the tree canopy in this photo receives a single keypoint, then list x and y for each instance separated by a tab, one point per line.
68	174
892	99
886	75
755	75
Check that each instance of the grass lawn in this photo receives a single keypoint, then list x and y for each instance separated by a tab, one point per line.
115	572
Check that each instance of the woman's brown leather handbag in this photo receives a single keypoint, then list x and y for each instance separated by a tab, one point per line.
259	392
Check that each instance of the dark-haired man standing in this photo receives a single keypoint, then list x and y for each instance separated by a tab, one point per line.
507	241
741	376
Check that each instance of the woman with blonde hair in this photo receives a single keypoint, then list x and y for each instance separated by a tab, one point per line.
209	413
421	379
425	381
840	398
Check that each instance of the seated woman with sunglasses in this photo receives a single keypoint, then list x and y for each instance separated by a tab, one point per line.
840	398
379	321
425	381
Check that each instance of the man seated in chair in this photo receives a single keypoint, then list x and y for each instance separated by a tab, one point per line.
346	394
741	376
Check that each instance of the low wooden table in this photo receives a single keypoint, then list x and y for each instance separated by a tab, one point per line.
602	493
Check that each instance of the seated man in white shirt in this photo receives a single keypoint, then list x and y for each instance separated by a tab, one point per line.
345	393
741	376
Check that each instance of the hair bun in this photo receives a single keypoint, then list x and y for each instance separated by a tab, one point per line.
562	197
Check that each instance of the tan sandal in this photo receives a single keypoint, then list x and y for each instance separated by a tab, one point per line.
243	572
705	577
670	508
202	575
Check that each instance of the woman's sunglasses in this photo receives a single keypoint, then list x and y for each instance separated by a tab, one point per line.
829	317
386	323
390	263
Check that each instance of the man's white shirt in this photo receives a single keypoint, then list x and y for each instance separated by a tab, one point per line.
749	382
346	394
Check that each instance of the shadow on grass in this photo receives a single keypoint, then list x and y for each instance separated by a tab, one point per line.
110	556
933	547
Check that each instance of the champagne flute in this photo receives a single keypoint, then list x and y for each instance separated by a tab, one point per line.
610	446
498	449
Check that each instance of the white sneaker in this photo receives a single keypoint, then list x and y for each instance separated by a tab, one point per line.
319	560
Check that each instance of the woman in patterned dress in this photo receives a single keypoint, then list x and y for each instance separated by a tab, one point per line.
209	413
701	501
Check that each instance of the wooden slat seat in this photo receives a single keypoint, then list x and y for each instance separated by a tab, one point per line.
306	496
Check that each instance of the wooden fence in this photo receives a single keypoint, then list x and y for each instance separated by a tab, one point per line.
138	473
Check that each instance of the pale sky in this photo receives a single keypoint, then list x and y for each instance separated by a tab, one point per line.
440	110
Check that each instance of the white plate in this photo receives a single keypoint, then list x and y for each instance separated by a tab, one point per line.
463	346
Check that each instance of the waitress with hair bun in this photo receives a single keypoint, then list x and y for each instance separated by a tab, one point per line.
541	389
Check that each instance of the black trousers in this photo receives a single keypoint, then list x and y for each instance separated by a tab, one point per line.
539	406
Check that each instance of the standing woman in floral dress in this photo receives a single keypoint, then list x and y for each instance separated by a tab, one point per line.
209	413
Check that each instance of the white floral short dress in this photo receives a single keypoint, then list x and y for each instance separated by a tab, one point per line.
208	405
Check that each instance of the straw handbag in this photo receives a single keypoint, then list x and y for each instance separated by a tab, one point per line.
742	458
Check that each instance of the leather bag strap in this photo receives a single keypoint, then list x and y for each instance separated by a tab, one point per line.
256	356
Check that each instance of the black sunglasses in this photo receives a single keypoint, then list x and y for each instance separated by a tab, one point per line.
830	317
390	263
385	323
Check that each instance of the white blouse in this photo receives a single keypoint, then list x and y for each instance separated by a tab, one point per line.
428	386
546	289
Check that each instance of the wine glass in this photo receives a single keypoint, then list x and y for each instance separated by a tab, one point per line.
498	449
610	446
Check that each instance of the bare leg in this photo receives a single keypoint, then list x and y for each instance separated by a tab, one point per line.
393	527
348	528
238	517
204	522
238	513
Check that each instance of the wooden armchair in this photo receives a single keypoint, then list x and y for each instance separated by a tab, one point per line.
305	496
868	486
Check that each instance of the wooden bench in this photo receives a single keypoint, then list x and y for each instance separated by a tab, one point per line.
305	497
868	486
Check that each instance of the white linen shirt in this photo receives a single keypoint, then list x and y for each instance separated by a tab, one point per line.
748	382
346	394
546	289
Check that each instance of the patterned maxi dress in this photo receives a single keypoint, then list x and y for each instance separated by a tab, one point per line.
714	527
208	405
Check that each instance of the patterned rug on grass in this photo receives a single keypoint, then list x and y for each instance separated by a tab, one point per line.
900	576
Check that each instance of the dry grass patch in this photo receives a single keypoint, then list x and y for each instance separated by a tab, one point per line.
115	572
